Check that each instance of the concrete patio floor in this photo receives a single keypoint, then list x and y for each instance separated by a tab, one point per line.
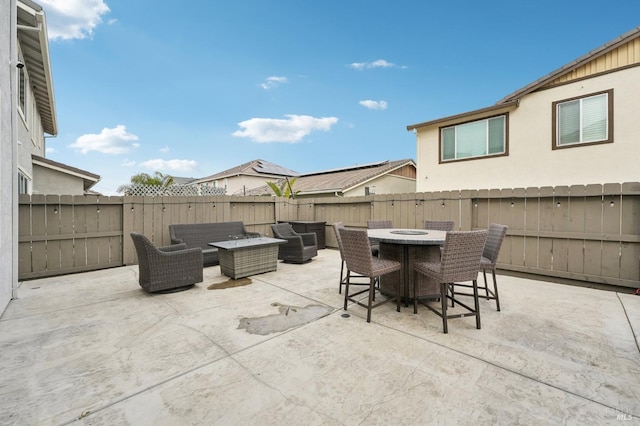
94	348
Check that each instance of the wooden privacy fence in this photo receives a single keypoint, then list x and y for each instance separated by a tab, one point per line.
589	233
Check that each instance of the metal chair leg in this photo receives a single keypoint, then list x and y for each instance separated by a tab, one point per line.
477	303
443	296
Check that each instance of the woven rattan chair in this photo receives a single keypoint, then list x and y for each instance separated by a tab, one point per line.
166	269
460	262
336	228
359	260
299	248
440	225
378	224
488	262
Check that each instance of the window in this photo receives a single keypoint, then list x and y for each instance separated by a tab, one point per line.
23	183
481	138
583	120
22	92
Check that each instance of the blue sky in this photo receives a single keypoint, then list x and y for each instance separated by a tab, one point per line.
193	88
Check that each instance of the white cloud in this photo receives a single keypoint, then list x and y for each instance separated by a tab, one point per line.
69	19
291	130
380	63
173	165
272	82
374	104
165	149
109	141
128	163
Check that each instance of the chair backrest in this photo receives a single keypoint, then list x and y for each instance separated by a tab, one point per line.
440	225
336	228
143	247
494	242
283	230
461	254
379	224
357	251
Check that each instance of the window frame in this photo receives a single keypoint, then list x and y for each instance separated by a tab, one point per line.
24	183
23	93
478	157
554	121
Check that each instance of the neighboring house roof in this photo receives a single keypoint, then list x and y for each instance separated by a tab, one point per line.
339	180
512	100
89	179
32	36
182	180
260	168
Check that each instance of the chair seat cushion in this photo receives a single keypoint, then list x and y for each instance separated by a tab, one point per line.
384	266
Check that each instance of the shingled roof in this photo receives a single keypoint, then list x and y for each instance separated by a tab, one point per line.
258	167
339	180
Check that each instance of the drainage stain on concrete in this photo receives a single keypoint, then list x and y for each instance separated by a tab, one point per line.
287	317
230	283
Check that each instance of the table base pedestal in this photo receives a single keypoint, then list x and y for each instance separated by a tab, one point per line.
408	255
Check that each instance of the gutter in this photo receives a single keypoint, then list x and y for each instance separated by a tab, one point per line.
493	108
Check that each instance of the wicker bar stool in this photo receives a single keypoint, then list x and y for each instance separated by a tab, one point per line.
336	228
378	224
358	257
460	262
440	225
488	262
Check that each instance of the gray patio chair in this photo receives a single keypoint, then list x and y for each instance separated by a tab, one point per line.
166	269
358	257
299	248
378	224
336	228
460	262
488	262
440	225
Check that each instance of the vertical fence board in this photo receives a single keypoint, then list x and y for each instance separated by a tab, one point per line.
589	232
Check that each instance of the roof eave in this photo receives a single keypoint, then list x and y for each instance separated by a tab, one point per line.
607	47
45	98
505	106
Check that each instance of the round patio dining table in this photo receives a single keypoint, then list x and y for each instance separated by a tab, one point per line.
409	246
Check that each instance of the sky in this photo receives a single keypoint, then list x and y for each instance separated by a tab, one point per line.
191	89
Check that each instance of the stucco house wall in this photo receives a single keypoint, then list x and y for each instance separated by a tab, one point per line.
236	185
386	184
531	161
601	155
30	135
8	172
47	181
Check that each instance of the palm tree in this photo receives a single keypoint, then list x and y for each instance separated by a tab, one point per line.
285	189
158	179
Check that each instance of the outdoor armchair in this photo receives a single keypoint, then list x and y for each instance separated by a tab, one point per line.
299	248
166	269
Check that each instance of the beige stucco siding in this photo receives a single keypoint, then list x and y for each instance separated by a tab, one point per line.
386	184
47	181
531	160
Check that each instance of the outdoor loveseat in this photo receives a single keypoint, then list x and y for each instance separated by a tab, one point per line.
201	234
